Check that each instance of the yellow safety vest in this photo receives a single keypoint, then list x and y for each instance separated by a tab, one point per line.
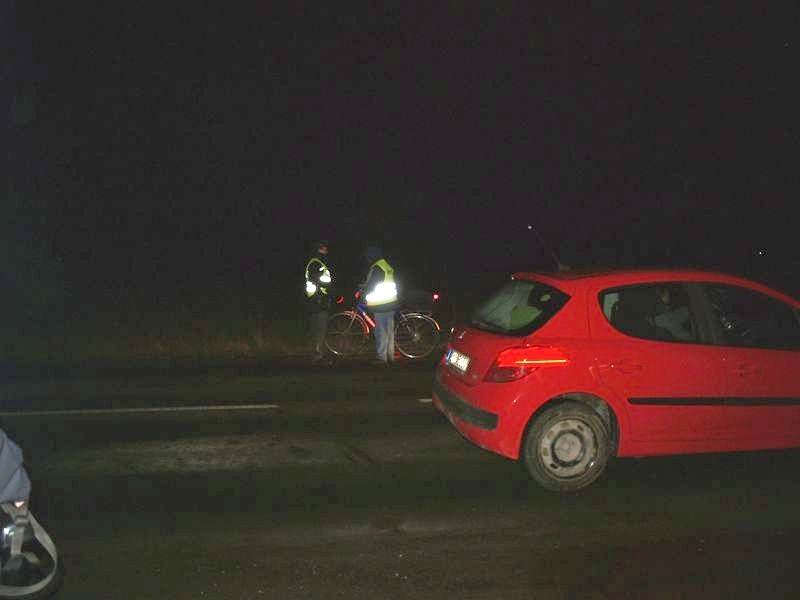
384	292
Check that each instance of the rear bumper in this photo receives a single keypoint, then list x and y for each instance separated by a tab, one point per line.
486	429
454	405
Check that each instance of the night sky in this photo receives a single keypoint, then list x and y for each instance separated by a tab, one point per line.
169	145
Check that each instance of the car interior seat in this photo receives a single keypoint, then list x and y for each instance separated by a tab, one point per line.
633	314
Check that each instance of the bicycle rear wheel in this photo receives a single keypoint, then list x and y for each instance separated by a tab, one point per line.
347	333
416	335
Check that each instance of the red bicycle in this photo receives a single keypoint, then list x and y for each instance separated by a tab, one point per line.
416	333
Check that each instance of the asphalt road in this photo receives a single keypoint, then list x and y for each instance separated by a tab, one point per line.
281	481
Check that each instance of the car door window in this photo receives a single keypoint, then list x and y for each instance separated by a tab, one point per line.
654	312
750	319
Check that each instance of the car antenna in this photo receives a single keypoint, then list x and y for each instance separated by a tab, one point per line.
559	265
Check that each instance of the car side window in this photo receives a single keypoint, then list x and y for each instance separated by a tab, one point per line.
751	319
659	312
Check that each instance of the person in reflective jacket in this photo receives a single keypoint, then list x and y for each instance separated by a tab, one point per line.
380	295
319	287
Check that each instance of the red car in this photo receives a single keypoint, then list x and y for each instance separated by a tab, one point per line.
565	371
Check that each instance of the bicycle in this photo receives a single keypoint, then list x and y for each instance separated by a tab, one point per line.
416	333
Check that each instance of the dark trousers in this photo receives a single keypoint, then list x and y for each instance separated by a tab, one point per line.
319	327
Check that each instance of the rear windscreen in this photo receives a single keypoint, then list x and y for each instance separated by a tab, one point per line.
518	308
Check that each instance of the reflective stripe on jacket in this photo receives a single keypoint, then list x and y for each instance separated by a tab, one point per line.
318	277
383	294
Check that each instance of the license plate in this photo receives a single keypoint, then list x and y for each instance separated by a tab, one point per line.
458	360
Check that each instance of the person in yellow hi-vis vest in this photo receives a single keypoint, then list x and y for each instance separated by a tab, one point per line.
319	287
380	295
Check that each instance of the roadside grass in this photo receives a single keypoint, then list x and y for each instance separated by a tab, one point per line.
205	327
189	341
190	327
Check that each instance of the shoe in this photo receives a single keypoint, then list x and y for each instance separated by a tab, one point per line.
377	362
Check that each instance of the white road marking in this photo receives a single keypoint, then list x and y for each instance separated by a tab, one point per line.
425	400
156	409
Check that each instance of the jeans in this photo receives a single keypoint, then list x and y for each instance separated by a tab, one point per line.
384	335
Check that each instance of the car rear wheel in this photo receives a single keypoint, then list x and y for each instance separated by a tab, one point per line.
566	448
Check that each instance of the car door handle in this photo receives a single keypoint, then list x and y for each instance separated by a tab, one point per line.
745	370
621	366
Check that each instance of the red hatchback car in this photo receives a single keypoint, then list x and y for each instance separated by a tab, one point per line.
564	371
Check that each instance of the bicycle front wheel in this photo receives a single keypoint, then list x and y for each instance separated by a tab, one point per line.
416	335
347	333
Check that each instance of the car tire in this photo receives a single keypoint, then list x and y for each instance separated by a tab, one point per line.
566	447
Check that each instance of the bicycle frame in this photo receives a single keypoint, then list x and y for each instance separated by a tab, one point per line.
361	310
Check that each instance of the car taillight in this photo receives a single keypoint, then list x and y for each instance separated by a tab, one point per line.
519	361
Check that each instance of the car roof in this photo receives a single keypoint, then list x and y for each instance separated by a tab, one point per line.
572	280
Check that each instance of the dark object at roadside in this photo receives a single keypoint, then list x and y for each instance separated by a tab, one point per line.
29	567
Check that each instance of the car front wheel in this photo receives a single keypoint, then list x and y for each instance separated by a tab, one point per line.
566	448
